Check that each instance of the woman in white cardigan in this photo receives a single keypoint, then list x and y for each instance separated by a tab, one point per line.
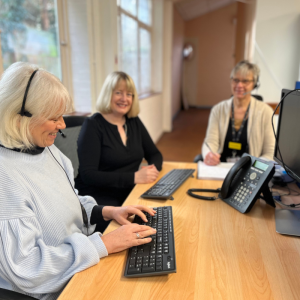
240	124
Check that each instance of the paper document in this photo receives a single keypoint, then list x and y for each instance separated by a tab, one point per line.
218	172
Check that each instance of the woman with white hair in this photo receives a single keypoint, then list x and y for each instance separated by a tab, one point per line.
241	124
112	144
46	228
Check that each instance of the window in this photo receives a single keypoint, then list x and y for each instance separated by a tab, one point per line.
29	32
135	36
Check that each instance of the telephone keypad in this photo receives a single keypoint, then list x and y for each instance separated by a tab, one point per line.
242	194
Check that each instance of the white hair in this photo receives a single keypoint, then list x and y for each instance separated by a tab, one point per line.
46	98
103	104
245	67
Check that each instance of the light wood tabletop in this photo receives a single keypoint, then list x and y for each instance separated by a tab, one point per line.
220	254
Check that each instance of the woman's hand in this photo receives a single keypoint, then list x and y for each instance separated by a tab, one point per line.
212	159
121	214
127	236
146	174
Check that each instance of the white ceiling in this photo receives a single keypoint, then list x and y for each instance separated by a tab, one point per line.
190	9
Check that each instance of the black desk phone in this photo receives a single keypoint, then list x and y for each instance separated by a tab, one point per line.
245	182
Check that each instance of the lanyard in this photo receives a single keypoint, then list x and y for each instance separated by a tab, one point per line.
237	137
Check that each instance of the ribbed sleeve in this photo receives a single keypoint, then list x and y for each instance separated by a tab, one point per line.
41	241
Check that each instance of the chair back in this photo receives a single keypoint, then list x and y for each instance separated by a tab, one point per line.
258	97
11	295
68	144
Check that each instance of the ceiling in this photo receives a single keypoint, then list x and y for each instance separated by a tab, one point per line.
190	9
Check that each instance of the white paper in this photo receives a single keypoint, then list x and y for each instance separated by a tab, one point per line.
217	172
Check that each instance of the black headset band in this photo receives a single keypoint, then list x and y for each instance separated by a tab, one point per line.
23	112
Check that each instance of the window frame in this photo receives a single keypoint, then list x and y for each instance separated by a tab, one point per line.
145	26
1	59
64	44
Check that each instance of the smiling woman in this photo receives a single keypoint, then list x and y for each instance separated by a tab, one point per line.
45	134
241	124
37	95
112	144
46	228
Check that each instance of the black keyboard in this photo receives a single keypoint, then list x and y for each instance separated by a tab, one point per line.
168	184
157	257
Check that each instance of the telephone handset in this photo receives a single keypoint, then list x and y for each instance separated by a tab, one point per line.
243	162
244	184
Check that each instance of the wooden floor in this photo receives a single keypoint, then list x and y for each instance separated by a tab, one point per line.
186	138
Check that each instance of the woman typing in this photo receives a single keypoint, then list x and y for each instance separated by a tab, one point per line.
47	229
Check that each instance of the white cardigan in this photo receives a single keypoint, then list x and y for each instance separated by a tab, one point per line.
260	135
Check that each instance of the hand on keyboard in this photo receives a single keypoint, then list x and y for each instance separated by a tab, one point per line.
121	214
157	257
146	174
126	237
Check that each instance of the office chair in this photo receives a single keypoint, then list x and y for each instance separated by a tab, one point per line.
10	295
198	157
258	97
68	144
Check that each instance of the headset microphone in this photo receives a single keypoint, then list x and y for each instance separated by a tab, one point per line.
61	133
247	93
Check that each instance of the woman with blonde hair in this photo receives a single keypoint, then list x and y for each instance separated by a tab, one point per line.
112	144
47	229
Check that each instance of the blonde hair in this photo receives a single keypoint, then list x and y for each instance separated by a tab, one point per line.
245	67
46	98
103	104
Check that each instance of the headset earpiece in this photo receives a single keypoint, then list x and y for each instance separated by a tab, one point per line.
257	84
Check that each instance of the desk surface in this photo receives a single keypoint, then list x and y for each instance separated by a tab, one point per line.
220	254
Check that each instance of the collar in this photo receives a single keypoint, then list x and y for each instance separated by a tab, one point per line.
33	151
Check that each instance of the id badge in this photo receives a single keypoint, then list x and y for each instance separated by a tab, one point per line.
235	146
232	159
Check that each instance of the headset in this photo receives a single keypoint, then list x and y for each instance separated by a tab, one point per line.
27	114
257	83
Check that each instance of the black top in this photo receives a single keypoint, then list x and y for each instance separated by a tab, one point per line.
106	165
243	139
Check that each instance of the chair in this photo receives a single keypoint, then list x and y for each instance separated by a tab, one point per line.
67	144
258	97
198	157
10	295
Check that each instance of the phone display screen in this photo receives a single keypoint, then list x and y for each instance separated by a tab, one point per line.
259	165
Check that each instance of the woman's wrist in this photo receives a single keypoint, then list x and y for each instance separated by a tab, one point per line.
107	212
135	177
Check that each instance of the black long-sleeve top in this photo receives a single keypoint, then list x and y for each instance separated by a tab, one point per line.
106	165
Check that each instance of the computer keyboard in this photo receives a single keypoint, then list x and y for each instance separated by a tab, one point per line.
168	184
157	257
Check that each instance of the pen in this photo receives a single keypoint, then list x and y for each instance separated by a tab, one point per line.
209	149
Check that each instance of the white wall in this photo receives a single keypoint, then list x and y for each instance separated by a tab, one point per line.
278	46
77	17
152	115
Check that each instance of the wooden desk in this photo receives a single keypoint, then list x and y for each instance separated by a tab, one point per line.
220	254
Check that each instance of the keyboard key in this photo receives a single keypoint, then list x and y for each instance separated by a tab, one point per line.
134	271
